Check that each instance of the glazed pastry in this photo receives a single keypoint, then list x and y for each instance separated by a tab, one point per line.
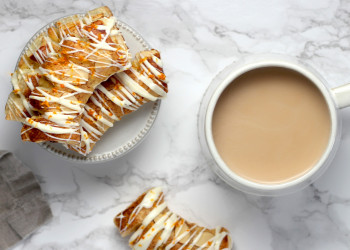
121	94
60	71
154	226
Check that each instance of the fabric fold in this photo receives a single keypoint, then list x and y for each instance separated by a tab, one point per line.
23	207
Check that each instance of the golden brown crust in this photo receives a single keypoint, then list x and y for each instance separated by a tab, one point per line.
193	236
14	109
94	114
29	133
122	222
52	60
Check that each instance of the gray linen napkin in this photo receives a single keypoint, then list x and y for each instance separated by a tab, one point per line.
22	206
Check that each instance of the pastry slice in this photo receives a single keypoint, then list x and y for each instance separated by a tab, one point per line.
60	71
154	226
121	94
28	76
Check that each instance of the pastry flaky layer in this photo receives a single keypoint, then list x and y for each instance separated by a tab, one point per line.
121	94
154	226
59	72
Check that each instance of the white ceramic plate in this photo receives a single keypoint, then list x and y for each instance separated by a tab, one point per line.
127	133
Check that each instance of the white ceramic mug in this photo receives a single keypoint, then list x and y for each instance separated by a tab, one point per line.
336	99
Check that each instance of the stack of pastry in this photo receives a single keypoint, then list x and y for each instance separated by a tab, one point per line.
121	94
77	78
154	226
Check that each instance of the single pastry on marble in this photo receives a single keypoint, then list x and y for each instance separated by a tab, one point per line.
121	94
154	226
59	72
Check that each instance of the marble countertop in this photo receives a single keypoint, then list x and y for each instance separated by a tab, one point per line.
197	39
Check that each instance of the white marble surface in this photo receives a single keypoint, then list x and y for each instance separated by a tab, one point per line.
197	39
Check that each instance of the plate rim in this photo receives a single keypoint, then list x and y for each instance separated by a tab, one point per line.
121	150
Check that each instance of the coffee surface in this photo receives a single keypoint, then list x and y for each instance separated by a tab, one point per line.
271	125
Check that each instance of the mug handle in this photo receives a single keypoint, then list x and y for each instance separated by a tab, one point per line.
341	95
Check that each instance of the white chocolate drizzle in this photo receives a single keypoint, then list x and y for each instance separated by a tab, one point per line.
49	128
130	89
168	224
60	107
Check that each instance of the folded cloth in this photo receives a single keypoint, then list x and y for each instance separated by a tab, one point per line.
22	206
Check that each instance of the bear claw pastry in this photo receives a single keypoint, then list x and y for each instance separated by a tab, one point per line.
59	72
121	94
154	226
